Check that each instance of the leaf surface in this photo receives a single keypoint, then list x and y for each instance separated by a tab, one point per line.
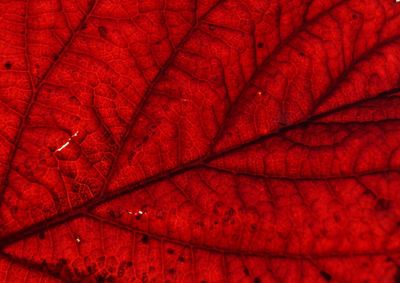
210	141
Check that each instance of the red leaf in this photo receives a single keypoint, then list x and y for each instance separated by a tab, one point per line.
200	141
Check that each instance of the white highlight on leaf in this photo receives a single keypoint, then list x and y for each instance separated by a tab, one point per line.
63	146
136	213
67	143
78	240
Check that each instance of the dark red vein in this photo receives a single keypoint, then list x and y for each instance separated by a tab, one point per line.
84	208
148	92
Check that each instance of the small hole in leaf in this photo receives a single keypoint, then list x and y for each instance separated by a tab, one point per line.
145	239
383	204
8	65
171	271
102	31
326	275
139	214
100	279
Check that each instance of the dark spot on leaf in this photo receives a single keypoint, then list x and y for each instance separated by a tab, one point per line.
89	269
181	259
100	279
138	216
55	57
171	271
102	31
203	281
246	271
383	204
230	212
44	263
170	251
63	261
8	65
302	54
74	99
200	223
368	193
354	16
257	280
131	156
260	45
211	27
75	188
84	26
326	275
145	239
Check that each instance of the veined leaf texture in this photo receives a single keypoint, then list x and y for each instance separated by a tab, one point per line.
199	141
